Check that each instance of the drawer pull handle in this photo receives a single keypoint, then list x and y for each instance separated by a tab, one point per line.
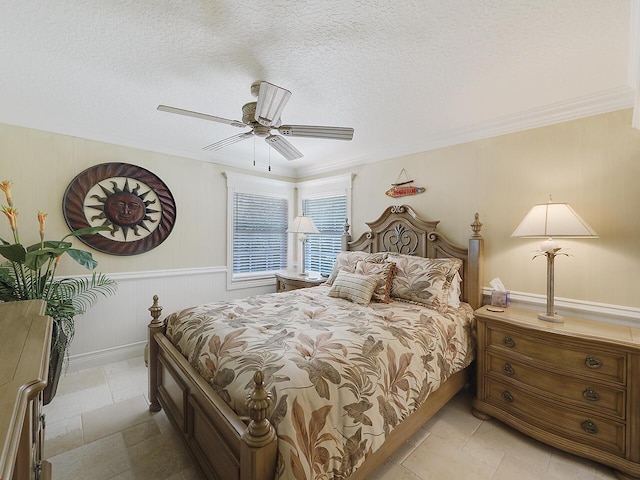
507	396
592	362
591	395
508	369
508	341
589	426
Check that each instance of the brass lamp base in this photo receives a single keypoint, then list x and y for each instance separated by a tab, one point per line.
551	318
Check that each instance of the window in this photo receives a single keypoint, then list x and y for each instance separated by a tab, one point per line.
259	210
328	215
327	202
259	233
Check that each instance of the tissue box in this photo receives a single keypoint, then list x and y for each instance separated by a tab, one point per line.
500	298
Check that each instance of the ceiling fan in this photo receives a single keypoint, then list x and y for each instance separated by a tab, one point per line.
263	116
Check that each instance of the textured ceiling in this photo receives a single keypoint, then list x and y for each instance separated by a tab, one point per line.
408	76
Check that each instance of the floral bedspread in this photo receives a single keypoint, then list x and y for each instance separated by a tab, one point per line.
342	375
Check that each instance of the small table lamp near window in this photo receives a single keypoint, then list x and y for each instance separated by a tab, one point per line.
552	220
302	225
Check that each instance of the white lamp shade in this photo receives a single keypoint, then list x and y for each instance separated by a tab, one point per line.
271	101
302	224
553	220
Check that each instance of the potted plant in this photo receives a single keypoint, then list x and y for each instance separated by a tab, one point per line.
29	273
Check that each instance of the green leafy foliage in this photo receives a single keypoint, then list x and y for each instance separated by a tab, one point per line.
29	273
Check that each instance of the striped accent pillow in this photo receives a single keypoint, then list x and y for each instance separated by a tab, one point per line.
354	287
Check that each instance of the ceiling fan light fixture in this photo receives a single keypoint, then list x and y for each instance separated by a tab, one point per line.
316	131
271	102
263	116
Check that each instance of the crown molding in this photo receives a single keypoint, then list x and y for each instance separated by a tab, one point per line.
574	109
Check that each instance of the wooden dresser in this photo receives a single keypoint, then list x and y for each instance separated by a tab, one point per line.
25	343
574	385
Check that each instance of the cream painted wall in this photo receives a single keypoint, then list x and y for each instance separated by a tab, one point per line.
593	164
42	164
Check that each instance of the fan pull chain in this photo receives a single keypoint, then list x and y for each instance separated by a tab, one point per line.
254	150
269	157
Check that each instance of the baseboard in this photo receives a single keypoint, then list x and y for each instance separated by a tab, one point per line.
603	312
102	357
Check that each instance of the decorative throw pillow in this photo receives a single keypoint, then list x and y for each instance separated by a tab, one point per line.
354	287
346	261
384	271
426	281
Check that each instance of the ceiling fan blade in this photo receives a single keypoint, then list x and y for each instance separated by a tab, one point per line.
283	147
316	131
228	141
203	116
271	101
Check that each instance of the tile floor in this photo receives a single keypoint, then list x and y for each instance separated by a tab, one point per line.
99	428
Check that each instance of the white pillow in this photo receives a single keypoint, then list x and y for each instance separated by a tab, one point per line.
455	292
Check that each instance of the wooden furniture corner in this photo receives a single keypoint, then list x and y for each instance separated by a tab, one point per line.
25	345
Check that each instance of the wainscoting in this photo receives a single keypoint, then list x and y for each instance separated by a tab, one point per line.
116	327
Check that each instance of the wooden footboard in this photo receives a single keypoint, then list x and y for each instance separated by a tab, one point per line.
224	446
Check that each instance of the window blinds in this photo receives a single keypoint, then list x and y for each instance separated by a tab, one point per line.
259	233
328	215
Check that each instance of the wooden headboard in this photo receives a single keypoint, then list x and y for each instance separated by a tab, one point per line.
399	229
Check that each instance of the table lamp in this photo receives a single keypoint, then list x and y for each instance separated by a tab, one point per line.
302	225
550	220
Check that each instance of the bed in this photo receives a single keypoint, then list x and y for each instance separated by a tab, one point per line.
321	382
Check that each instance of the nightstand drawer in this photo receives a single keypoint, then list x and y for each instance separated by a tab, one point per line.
572	359
596	397
571	423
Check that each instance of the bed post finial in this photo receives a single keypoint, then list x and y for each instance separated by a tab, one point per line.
156	311
259	432
151	351
346	236
476	226
474	274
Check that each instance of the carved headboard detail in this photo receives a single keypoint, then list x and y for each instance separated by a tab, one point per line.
399	229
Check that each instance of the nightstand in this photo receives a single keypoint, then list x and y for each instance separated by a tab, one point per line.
573	385
291	280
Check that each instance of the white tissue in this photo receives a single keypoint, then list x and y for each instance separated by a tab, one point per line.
499	294
496	284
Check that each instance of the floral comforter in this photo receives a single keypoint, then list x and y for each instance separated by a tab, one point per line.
342	375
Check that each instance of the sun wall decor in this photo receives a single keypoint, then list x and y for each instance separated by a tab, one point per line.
135	203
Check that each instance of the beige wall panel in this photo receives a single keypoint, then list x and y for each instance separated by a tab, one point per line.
42	164
593	164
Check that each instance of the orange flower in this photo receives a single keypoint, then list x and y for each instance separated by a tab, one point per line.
12	215
41	218
5	186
